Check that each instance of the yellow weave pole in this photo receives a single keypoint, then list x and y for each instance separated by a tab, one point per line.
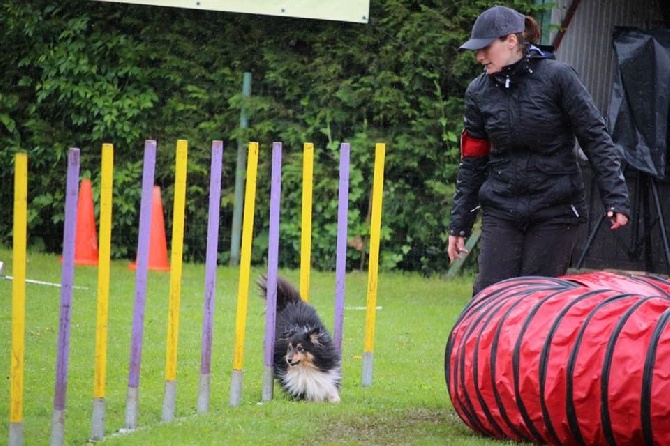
18	298
175	280
306	234
373	268
245	267
104	250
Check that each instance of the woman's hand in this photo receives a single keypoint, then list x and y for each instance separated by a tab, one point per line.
456	247
618	219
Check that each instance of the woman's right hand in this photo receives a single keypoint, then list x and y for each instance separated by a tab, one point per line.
456	247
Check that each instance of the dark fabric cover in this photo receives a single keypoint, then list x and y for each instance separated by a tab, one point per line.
531	112
574	360
639	111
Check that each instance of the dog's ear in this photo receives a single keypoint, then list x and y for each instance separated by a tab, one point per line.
314	335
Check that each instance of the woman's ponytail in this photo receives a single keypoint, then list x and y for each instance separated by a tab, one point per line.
531	33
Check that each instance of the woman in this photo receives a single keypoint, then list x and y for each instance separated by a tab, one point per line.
518	161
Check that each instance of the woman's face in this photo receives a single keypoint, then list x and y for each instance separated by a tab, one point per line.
499	54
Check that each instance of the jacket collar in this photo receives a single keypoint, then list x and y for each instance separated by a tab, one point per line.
510	74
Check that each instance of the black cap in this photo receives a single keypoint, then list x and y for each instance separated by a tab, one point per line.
495	22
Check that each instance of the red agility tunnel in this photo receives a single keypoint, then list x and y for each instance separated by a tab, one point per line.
582	359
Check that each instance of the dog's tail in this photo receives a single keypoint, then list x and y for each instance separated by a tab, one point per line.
286	292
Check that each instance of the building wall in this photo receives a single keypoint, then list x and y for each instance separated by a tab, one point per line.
587	46
587	43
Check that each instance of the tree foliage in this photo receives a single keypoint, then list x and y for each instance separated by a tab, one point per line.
80	73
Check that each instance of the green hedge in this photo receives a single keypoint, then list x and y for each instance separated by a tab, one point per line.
83	73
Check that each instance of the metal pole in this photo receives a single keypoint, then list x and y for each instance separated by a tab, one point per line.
373	264
341	244
240	170
102	320
67	278
245	271
19	242
137	334
210	276
273	266
176	263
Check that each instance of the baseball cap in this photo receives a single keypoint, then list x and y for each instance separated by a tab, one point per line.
495	22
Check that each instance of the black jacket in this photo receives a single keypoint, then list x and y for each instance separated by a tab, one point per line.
531	113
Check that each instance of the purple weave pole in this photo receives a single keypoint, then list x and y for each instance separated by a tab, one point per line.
273	265
341	261
67	278
210	275
140	282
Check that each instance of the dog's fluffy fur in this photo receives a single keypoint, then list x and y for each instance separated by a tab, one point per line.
306	362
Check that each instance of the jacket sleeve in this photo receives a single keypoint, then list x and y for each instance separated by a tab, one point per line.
475	148
591	132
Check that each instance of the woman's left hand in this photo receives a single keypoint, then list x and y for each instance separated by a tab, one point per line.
618	219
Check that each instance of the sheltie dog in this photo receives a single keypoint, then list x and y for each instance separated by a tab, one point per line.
306	362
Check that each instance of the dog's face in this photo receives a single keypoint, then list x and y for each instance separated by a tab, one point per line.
300	348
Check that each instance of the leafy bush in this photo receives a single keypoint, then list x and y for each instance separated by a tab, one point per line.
82	73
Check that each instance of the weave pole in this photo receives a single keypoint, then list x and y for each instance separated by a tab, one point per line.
306	230
373	266
104	254
140	284
67	278
170	392
273	265
210	276
19	236
341	256
245	267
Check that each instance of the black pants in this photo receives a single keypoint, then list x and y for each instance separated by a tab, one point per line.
509	249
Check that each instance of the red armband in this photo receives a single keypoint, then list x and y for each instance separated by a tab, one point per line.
475	147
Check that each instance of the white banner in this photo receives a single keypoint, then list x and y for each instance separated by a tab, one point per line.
342	10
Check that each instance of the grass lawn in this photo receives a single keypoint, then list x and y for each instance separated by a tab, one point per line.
407	403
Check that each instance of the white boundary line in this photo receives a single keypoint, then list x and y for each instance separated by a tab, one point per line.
360	308
41	282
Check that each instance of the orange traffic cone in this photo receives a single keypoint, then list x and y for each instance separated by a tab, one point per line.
86	238
158	257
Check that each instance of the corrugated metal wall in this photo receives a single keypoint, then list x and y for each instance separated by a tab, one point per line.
587	43
587	46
